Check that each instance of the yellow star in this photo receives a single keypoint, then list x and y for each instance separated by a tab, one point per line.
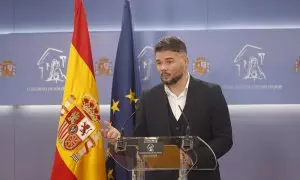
115	107
110	175
131	97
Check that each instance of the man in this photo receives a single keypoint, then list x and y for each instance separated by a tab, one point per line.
203	104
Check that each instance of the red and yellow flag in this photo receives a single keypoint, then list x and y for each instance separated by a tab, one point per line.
79	146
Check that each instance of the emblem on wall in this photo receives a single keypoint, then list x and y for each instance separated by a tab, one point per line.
297	65
249	63
145	60
201	66
103	67
7	68
52	65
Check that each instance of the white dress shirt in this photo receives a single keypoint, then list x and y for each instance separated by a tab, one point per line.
180	100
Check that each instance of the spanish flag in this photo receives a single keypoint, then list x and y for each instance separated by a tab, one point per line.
79	146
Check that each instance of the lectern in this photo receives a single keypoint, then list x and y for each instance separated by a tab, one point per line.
182	153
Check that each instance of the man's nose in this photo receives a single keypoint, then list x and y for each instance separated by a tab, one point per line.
163	67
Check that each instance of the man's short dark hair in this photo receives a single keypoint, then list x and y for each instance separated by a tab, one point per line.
170	43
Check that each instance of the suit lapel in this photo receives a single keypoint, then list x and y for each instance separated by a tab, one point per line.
190	103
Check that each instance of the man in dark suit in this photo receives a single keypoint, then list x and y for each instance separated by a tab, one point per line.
202	102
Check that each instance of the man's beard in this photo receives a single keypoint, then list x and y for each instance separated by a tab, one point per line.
172	81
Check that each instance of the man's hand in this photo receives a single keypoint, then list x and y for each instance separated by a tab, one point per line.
110	133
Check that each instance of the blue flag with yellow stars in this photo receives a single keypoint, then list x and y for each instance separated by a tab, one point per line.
126	89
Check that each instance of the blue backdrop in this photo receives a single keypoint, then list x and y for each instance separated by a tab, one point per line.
252	66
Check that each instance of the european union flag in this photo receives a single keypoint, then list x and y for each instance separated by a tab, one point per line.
126	88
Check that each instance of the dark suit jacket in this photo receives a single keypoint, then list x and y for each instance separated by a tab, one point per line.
207	112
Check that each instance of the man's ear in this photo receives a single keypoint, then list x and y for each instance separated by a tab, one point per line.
187	61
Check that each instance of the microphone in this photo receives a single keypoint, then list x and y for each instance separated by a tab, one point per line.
125	123
187	141
187	131
121	143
